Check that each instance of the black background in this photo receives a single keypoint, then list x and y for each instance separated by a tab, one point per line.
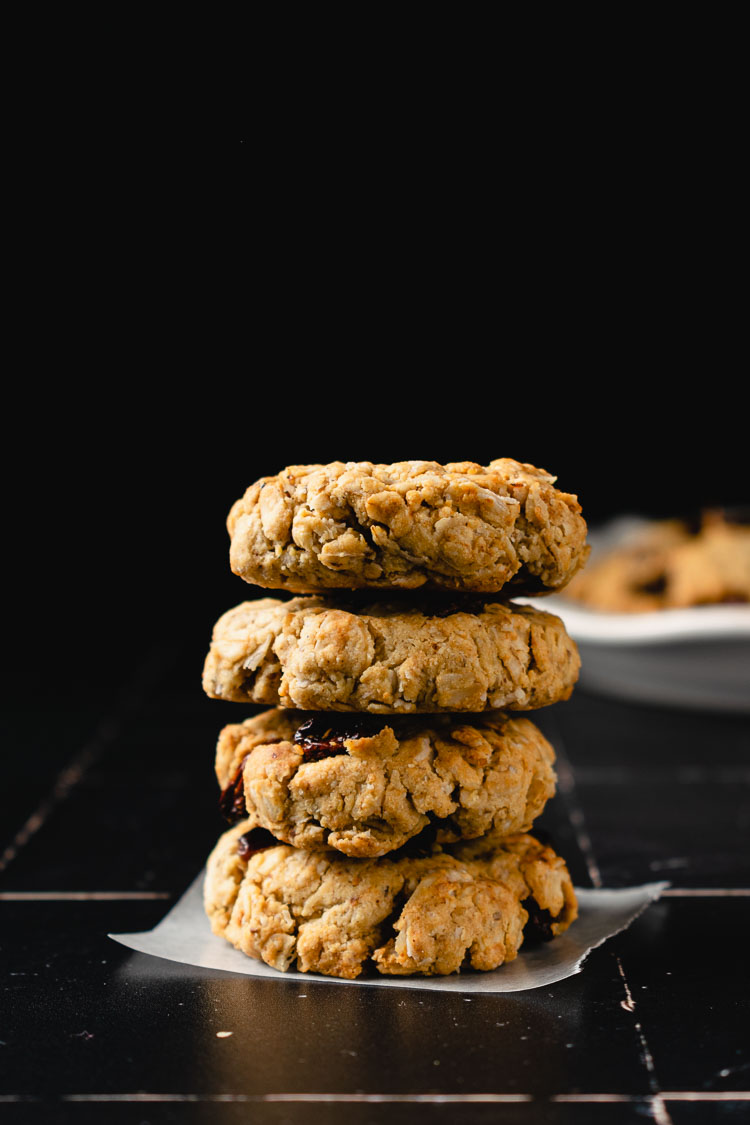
191	318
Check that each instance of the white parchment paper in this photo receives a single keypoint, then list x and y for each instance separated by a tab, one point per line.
184	935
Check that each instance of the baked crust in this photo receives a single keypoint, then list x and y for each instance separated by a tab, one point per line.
429	915
312	654
367	792
459	526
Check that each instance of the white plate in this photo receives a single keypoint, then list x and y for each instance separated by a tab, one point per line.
697	658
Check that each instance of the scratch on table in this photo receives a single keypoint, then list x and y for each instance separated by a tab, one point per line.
733	1069
660	1112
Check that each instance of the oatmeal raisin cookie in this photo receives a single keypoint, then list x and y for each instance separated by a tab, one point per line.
459	526
364	784
408	914
312	654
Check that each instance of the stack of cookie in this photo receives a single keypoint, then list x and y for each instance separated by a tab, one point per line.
383	803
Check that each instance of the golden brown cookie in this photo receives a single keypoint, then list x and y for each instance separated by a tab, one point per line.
459	526
365	786
433	914
314	655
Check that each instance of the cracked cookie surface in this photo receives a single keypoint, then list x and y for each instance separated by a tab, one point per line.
311	654
459	526
330	782
432	915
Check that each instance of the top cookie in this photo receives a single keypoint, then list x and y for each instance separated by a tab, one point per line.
415	523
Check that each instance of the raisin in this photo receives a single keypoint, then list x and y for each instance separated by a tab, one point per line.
256	840
232	800
324	735
539	925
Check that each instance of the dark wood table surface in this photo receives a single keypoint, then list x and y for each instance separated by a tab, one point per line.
109	811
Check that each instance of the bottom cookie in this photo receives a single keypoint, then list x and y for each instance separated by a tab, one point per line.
466	906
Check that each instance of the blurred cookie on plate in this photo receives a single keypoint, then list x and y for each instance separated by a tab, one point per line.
670	564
